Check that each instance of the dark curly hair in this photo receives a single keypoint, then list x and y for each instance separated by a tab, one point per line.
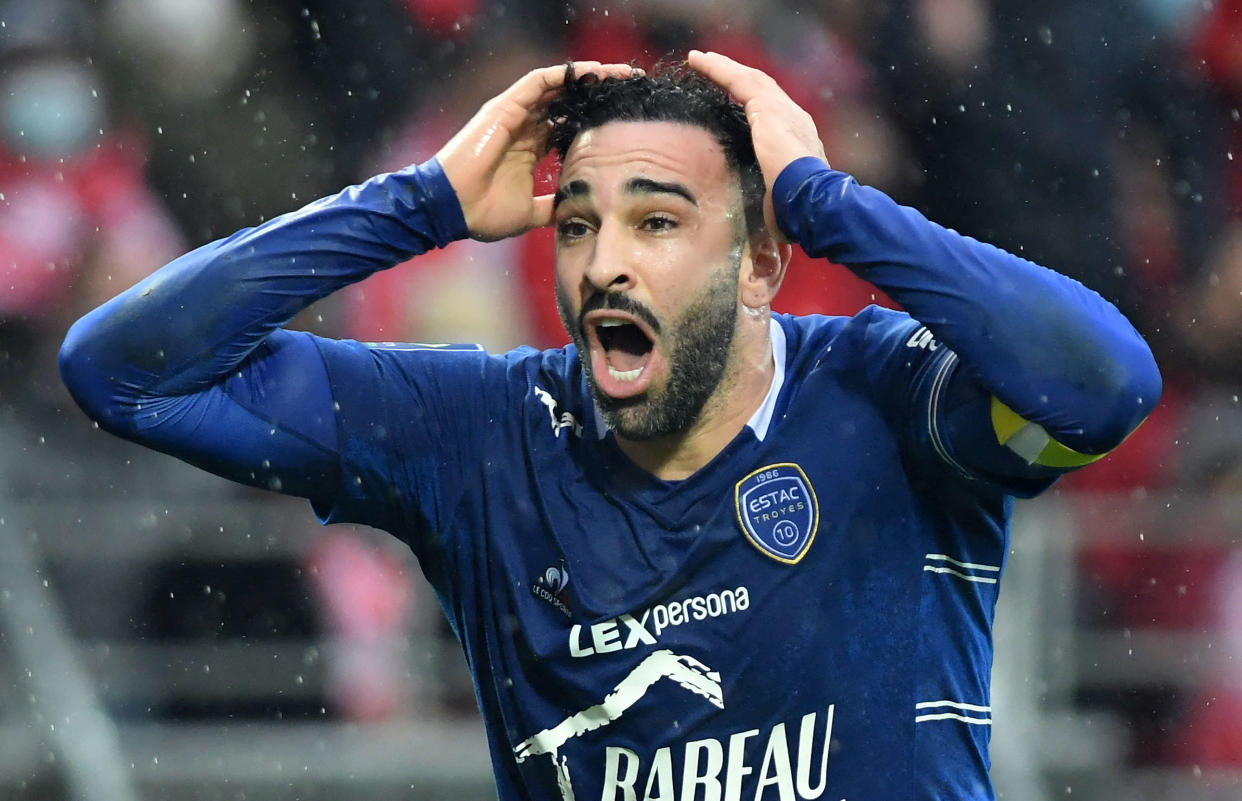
669	93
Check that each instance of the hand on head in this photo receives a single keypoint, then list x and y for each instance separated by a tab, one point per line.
782	131
491	161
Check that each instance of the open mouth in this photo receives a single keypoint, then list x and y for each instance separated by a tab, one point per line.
622	352
626	348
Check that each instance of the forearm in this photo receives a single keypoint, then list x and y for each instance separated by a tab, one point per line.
191	323
1050	349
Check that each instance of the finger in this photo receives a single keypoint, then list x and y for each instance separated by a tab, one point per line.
530	89
540	85
541	211
743	82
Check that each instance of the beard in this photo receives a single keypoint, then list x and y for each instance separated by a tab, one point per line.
698	344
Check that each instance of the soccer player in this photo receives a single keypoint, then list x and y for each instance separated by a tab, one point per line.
705	552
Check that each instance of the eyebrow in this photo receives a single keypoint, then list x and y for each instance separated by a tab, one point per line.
634	186
644	186
578	188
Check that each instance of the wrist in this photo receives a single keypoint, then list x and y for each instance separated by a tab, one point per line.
788	185
430	193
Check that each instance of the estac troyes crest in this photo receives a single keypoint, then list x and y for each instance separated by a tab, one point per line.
778	512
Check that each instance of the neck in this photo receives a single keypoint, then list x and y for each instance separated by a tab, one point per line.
741	392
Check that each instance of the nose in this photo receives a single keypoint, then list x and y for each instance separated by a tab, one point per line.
611	268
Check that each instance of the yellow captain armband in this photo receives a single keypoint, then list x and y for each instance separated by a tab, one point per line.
1031	442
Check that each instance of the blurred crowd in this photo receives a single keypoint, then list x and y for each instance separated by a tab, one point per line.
1099	137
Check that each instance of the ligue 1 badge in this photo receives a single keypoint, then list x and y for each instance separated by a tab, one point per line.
778	512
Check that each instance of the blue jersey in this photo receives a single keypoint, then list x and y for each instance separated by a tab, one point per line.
807	616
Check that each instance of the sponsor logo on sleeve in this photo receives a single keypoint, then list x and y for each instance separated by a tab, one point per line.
778	511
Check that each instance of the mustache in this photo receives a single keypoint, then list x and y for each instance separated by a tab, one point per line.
616	301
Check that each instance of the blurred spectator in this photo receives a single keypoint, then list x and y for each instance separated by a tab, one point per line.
468	290
78	222
234	128
366	601
1212	320
1018	111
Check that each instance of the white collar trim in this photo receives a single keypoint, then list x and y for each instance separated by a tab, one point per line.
762	418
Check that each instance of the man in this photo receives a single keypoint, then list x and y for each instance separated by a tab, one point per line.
707	552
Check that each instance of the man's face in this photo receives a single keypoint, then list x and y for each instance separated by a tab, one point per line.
650	239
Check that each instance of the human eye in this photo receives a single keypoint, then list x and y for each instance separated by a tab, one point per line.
572	228
658	223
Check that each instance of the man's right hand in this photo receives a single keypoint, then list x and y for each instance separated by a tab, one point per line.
491	161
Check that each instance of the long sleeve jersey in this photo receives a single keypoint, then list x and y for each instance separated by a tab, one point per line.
809	615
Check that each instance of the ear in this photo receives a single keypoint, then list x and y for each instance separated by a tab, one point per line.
762	276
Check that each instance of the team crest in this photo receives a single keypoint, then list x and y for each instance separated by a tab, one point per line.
778	512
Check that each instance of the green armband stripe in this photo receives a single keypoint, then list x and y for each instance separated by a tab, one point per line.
1031	442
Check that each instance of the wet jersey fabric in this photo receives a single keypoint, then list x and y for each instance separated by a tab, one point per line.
807	616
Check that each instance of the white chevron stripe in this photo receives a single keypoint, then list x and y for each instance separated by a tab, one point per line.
954	704
952	716
939	557
952	572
